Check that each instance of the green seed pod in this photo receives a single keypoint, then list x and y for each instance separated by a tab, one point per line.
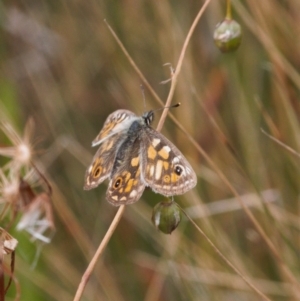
166	216
228	35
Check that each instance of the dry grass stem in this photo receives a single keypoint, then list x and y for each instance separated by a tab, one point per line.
120	212
288	148
99	252
226	260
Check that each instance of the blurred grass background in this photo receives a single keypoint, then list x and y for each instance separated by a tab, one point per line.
61	65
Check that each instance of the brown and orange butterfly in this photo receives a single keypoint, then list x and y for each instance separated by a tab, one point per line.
133	155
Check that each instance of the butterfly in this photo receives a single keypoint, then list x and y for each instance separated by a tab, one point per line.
132	155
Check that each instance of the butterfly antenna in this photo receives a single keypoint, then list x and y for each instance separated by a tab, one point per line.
169	107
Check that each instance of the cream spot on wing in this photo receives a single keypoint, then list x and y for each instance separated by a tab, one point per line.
155	142
151	170
183	172
158	169
115	197
176	160
167	148
133	194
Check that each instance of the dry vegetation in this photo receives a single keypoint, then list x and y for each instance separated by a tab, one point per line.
62	67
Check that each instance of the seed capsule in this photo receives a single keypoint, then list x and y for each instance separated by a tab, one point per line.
228	35
166	216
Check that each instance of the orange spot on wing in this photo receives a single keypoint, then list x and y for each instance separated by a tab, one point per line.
127	175
129	185
105	131
108	145
174	177
152	153
163	153
166	165
135	161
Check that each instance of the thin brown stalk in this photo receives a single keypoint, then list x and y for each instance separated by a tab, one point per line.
288	148
121	209
98	253
225	259
272	126
12	268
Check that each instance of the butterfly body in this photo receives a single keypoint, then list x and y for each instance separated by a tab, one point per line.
133	155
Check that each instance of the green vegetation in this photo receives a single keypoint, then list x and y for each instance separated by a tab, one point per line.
63	73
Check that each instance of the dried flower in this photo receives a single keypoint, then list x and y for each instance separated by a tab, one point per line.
37	215
21	151
9	187
17	193
8	242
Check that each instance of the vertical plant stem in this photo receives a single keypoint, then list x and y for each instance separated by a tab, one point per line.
228	10
98	253
121	209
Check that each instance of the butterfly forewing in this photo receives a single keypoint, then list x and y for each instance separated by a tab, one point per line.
110	138
165	169
116	122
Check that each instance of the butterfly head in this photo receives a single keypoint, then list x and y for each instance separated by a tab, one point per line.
148	117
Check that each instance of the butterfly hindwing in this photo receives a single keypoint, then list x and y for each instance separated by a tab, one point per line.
125	185
102	163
